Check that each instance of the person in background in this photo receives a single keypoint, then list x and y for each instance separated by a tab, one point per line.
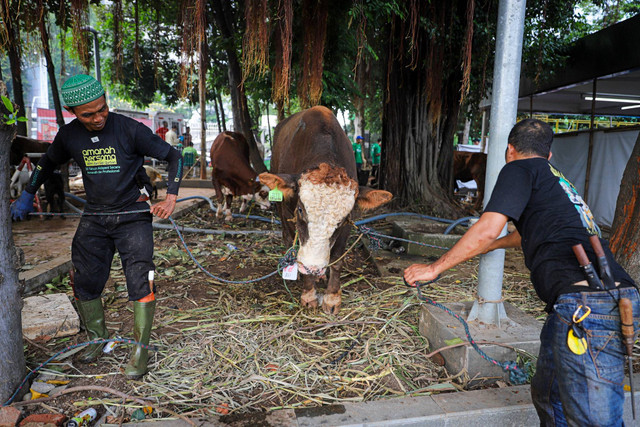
162	131
376	154
172	136
576	385
186	138
359	156
190	155
109	148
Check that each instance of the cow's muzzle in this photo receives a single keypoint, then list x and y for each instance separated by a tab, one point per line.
313	271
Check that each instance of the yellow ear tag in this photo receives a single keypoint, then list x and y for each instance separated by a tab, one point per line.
576	345
275	195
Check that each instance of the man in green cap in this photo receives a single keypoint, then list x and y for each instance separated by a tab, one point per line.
110	149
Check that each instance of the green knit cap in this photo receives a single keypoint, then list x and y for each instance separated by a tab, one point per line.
81	89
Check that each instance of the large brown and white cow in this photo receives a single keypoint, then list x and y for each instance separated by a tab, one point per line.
232	174
314	167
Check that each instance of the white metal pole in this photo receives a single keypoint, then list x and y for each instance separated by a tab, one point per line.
504	104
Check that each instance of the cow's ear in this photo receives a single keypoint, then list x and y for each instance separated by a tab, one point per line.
286	183
369	198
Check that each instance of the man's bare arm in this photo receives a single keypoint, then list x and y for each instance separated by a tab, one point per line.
474	242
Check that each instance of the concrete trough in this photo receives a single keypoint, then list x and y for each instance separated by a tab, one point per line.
520	331
424	231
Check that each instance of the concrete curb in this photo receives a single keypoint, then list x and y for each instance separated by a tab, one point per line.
509	406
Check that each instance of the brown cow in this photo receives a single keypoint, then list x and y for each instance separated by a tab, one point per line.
313	165
232	174
469	166
21	145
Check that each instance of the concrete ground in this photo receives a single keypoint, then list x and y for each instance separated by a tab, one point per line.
509	406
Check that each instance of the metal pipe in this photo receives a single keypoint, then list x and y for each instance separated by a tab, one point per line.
591	135
504	106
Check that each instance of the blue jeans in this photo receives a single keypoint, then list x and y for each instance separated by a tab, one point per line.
587	389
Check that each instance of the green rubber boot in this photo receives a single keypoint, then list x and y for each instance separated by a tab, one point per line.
143	319
92	315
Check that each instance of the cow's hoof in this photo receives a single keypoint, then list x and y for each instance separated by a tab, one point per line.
331	303
309	299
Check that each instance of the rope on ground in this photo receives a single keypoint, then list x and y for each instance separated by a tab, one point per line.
71	347
286	260
517	374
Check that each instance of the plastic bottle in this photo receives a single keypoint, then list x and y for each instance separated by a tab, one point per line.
83	418
232	247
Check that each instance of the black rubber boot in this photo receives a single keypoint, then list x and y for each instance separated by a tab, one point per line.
143	319
92	315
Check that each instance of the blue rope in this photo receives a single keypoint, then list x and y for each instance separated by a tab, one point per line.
517	375
88	213
71	347
286	260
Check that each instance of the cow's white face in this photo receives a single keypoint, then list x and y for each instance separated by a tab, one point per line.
321	209
262	198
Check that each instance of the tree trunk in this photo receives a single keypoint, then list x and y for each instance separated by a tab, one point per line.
44	38
215	107
222	116
202	96
241	116
12	368
420	116
626	222
10	17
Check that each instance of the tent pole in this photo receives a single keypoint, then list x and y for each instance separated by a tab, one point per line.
591	132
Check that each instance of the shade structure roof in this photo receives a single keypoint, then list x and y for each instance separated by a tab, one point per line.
611	56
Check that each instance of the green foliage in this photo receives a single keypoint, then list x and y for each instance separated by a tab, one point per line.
12	118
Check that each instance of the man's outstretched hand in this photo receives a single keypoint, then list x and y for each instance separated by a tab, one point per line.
420	273
165	208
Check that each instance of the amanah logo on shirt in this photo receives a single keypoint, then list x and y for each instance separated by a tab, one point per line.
583	210
99	156
100	161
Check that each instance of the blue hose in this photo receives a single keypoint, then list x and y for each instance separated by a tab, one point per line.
377	217
457	222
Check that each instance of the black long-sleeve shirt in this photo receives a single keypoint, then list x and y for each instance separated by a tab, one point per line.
109	160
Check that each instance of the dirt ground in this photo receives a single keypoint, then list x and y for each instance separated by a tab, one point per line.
225	349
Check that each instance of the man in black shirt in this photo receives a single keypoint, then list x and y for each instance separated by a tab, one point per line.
581	386
109	149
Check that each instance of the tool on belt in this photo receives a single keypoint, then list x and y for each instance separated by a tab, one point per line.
587	268
575	341
628	338
605	271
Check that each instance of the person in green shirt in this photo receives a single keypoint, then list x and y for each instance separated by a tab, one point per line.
190	154
360	160
376	154
357	152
